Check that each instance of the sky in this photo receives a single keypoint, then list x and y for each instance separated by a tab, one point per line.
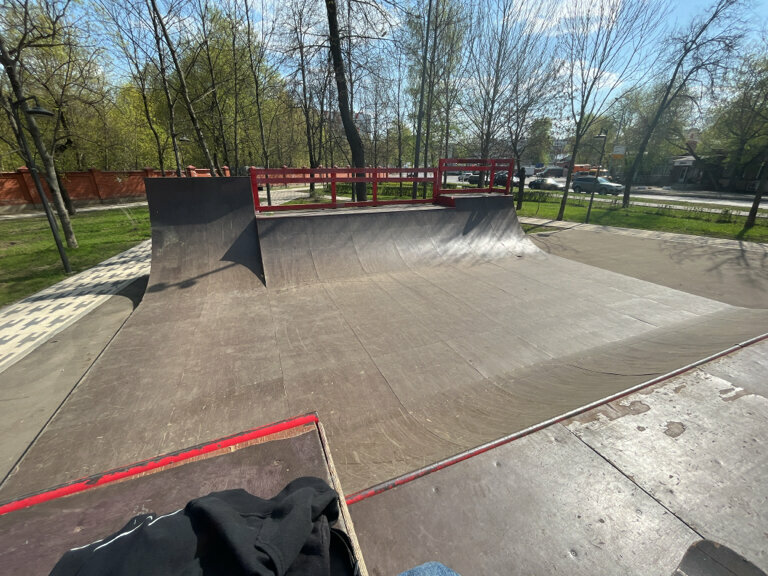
683	10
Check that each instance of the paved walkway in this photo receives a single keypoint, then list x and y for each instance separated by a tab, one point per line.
33	321
95	208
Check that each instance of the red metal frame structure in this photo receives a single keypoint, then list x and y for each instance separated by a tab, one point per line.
261	177
334	176
491	167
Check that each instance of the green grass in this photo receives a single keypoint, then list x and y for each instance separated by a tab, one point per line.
691	205
29	260
694	221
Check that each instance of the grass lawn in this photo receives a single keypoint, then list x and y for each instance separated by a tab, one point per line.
697	222
29	260
689	205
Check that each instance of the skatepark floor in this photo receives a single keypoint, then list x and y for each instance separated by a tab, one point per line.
596	458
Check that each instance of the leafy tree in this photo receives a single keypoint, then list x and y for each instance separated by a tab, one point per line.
604	44
539	141
742	122
27	27
694	55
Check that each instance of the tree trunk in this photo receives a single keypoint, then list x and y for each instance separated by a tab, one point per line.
61	120
305	108
236	111
758	196
168	100
353	137
521	184
430	96
185	91
65	195
569	176
258	88
12	72
420	114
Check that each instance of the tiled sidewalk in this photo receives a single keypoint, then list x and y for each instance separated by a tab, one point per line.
29	323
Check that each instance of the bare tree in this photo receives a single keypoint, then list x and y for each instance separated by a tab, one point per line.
131	36
70	79
534	83
259	68
302	46
353	136
170	99
451	65
26	26
695	55
183	88
604	48
491	50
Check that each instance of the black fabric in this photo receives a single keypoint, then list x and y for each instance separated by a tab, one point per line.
230	532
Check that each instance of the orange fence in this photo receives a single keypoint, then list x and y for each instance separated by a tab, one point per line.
17	189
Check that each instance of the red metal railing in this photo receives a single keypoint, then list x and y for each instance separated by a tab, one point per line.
486	169
265	199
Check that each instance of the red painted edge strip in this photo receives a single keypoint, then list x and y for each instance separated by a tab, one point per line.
416	474
154	463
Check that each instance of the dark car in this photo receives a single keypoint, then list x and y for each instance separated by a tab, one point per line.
595	184
474	178
545	184
500	179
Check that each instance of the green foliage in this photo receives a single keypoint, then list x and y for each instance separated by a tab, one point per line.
739	131
539	142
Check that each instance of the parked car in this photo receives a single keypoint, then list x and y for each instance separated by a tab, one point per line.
464	176
500	179
600	185
474	178
545	184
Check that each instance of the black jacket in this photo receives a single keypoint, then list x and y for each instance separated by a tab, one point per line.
230	532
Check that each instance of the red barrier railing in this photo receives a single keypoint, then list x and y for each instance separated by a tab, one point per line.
328	179
486	171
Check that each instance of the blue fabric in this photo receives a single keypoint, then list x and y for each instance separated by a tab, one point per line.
430	569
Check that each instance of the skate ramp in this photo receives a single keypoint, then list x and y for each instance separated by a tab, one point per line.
326	246
409	351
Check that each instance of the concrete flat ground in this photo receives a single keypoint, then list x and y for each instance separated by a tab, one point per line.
723	270
415	352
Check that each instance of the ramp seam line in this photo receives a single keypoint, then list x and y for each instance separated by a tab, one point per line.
631	480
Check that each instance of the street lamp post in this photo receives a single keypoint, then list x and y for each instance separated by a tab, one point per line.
602	136
33	169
